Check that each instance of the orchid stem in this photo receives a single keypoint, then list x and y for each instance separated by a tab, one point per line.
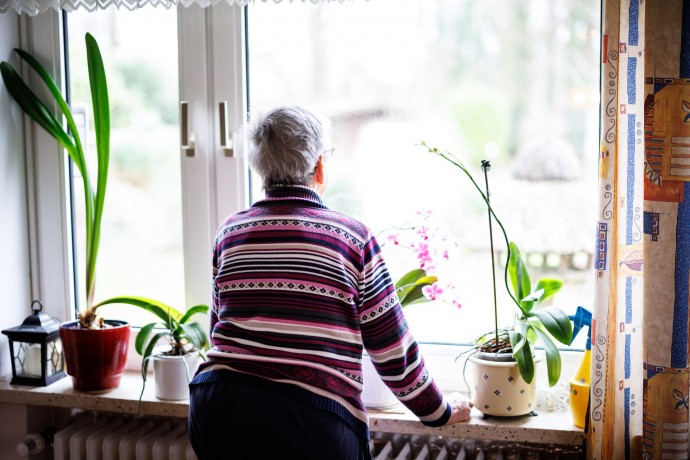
486	166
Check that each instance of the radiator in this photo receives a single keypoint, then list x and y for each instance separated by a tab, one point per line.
387	446
118	437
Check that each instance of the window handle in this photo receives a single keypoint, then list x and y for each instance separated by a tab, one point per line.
225	136
187	138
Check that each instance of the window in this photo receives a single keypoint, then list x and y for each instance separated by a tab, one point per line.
141	243
519	87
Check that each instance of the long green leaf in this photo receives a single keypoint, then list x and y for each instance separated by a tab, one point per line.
519	277
62	105
34	107
149	349
414	293
161	310
201	309
524	359
550	286
556	322
143	337
196	334
410	277
553	357
101	116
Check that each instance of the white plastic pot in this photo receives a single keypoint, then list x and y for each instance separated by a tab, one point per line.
499	389
375	393
172	375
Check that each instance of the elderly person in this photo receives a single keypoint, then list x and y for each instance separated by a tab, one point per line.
299	291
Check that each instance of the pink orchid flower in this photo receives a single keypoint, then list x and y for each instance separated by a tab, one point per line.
432	292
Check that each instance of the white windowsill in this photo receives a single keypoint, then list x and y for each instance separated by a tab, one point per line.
547	427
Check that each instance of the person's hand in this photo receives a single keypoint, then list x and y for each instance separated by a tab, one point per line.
460	408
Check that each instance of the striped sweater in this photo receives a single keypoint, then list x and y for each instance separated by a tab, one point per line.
298	291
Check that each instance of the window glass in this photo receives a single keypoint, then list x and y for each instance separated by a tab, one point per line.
141	240
516	83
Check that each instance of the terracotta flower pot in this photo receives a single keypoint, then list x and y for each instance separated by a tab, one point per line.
95	359
499	389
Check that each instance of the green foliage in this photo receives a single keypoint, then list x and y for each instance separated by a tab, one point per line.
534	323
36	109
409	286
184	335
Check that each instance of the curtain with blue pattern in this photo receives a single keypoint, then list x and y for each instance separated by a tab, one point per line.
639	380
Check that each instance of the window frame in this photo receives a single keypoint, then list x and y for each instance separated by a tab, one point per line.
213	185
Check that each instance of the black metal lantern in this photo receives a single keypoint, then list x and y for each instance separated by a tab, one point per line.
36	349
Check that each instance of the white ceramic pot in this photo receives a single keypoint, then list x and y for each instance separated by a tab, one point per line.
375	393
499	389
172	375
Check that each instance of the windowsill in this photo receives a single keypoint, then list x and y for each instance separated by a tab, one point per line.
547	427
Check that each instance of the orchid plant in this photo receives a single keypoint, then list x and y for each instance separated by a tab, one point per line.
431	246
533	323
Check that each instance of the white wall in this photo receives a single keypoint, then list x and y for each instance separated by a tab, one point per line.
14	241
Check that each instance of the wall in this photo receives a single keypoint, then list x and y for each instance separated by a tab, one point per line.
14	239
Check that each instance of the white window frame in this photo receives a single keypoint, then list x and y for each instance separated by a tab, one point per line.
214	185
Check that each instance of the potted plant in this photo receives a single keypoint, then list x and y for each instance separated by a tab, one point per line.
176	362
506	354
95	349
430	246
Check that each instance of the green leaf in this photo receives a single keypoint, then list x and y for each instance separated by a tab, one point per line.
525	360
202	309
143	337
553	357
556	322
533	297
550	286
196	334
34	107
412	293
410	277
79	160
101	116
519	277
161	310
517	341
149	349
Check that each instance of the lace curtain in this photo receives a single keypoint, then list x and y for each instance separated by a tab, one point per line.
34	7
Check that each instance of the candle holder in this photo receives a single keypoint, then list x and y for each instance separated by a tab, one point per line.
36	349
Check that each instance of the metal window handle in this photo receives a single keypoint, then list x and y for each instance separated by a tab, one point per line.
225	136
187	138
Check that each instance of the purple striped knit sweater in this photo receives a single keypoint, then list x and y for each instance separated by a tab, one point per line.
299	290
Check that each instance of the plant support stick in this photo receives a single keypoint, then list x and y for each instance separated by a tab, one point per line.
486	166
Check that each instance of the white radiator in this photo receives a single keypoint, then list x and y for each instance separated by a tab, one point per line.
117	437
388	446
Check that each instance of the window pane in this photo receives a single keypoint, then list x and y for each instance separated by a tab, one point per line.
516	84
141	239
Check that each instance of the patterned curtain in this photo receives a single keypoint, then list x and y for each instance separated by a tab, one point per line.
639	393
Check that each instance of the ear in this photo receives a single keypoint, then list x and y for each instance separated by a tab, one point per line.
318	172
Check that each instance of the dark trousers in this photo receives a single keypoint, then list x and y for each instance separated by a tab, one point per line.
231	420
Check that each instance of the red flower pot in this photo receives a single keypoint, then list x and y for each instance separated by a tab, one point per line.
95	358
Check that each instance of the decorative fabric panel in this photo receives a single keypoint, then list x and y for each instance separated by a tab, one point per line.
640	376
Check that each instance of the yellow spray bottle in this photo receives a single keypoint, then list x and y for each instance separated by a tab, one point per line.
579	383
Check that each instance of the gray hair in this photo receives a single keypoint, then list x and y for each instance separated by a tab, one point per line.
285	145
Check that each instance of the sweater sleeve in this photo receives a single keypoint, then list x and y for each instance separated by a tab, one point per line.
213	314
390	344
